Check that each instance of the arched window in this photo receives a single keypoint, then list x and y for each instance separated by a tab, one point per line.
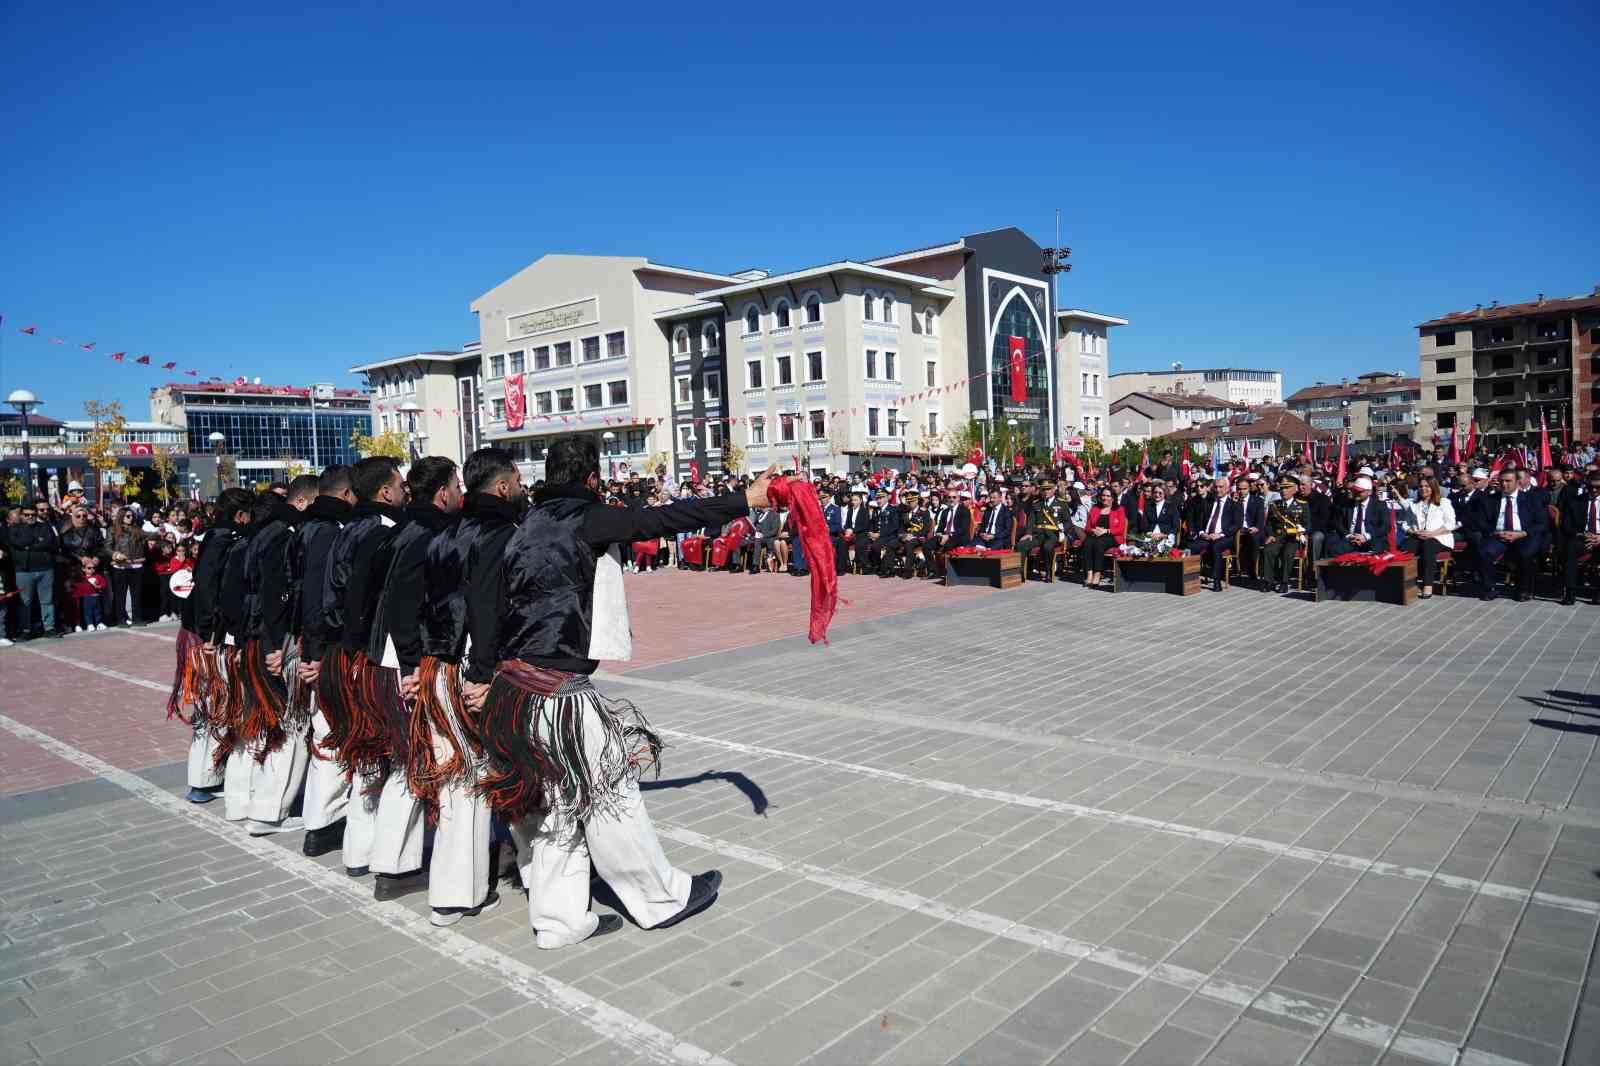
868	306
888	308
752	320
680	340
927	321
813	309
780	314
710	335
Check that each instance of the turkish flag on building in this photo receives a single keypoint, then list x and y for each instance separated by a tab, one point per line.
694	471
516	402
139	448
1019	370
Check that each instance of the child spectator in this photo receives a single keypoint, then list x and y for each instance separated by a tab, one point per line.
87	590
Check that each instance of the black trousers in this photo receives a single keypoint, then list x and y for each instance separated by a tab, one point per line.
1524	553
1574	550
1094	552
841	555
126	585
1426	549
1211	554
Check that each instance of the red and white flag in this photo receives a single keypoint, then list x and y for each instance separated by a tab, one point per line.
116	357
141	448
168	366
29	330
516	402
87	347
143	360
1019	369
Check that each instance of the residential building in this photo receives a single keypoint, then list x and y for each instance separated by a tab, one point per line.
698	384
1265	430
431	397
266	429
1377	408
1083	358
578	334
1140	416
1505	366
1249	387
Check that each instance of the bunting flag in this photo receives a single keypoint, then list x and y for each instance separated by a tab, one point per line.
1455	446
1343	442
1472	439
87	347
116	357
1544	449
1305	453
29	330
143	360
169	366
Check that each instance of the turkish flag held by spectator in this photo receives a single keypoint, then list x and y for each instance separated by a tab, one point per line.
1019	370
516	402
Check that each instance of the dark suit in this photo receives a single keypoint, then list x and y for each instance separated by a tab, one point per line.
952	521
1374	523
994	531
857	524
1319	510
1532	516
1162	521
1254	516
1224	515
1576	519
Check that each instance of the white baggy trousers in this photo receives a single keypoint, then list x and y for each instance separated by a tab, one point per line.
554	857
458	875
327	791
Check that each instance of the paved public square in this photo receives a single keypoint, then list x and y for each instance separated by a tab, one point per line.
1038	825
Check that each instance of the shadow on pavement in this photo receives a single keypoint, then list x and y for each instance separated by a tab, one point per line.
752	791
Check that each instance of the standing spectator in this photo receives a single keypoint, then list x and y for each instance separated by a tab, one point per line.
87	590
180	559
127	564
35	548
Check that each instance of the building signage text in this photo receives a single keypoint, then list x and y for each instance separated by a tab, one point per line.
549	319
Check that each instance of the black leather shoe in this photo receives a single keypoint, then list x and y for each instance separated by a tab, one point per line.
703	890
1569	600
356	871
1524	597
609	923
1486	595
444	917
321	841
394	886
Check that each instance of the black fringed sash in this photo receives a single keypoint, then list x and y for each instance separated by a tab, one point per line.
538	754
440	712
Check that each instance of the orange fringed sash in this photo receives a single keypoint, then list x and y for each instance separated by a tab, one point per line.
439	712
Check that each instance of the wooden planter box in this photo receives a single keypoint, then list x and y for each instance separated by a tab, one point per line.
1396	583
1177	577
996	571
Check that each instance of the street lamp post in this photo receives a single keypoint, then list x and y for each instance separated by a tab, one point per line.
22	399
901	424
1011	439
218	442
609	438
982	418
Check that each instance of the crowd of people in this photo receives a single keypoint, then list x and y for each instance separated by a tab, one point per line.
73	566
1260	525
397	662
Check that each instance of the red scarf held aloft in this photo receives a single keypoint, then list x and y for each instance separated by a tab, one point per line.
812	529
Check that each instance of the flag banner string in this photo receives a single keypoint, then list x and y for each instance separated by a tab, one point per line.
144	359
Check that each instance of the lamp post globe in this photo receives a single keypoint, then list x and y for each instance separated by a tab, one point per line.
22	399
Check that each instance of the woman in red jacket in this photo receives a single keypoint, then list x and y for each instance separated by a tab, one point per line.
1108	527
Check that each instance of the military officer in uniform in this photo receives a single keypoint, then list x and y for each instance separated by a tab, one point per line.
1287	521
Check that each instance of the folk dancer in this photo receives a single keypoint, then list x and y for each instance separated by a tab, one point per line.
565	761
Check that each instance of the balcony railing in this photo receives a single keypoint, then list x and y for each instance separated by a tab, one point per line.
1491	400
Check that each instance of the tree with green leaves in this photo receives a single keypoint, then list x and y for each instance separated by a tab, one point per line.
391	443
106	424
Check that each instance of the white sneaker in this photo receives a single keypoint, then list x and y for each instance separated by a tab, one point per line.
102	625
288	825
5	642
82	628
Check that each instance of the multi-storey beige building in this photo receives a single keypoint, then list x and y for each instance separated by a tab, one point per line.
1505	366
1140	416
430	397
1236	385
1378	408
1083	359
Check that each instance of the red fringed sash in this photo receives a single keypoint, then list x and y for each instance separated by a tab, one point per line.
812	529
188	678
265	696
439	712
1376	562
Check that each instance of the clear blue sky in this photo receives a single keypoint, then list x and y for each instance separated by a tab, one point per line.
285	195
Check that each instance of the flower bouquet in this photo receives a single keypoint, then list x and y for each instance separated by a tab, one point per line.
1145	546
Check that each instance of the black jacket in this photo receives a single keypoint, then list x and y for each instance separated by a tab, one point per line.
34	546
1575	512
1154	519
319	525
266	576
78	542
397	613
548	571
463	573
356	566
203	614
235	601
886	523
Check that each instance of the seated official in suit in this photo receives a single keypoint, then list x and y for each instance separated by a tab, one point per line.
952	524
994	530
853	527
1252	522
1432	528
1580	530
760	542
1158	515
1512	525
1213	538
1047	523
1107	527
1362	525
